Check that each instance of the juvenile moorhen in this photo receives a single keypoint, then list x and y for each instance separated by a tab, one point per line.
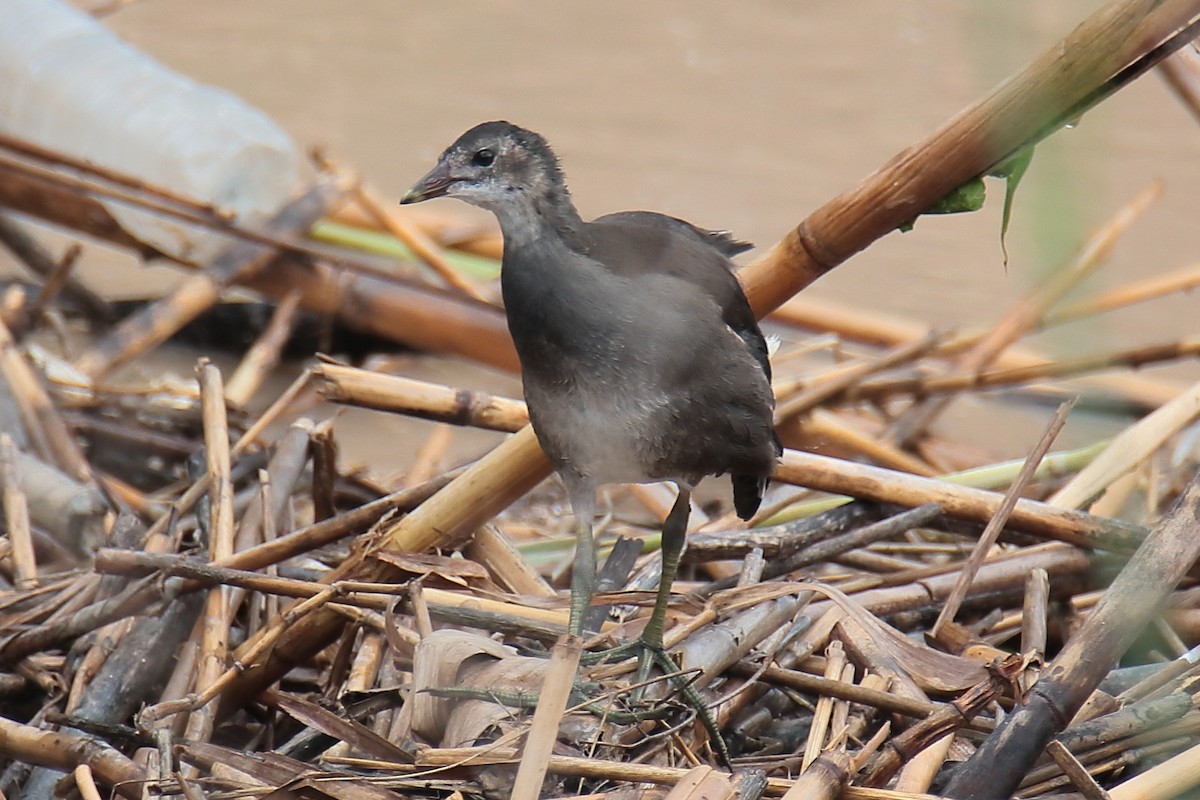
640	357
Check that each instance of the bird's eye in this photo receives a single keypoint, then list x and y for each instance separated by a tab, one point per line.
483	158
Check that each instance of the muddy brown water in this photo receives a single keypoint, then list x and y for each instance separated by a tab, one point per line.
742	116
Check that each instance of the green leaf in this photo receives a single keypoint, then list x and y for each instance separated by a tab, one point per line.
1012	169
968	197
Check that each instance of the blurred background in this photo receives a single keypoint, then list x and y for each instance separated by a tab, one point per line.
737	116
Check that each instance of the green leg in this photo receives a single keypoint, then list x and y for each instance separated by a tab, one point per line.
674	534
583	572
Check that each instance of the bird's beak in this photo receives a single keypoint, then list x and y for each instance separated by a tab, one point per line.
432	185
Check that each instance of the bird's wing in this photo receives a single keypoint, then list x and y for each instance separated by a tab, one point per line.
635	243
721	241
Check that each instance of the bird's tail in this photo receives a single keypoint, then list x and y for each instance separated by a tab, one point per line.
748	490
747	494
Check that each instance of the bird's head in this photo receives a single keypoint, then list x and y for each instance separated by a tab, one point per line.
495	165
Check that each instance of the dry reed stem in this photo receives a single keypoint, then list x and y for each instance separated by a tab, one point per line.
825	687
835	660
543	731
1181	70
1023	316
846	376
365	389
1128	294
1128	603
66	751
55	281
264	354
1167	780
627	772
86	783
1065	368
52	440
16	518
1033	612
30	252
495	552
367	594
825	426
215	644
431	452
1129	448
887	486
823	779
416	239
703	783
1011	117
155	323
1076	772
995	525
874	328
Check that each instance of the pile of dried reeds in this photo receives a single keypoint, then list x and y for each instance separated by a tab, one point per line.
197	602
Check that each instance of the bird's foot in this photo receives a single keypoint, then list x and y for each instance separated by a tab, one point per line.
650	655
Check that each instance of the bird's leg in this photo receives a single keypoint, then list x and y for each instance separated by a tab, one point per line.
583	572
650	644
674	534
